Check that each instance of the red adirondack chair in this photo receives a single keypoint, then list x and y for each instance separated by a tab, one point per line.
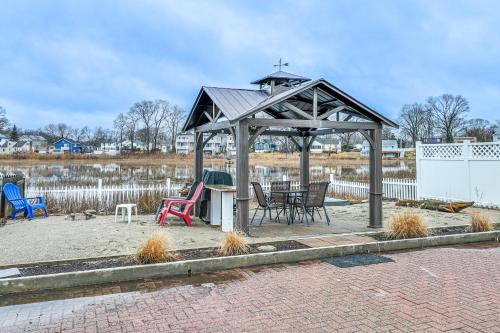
184	208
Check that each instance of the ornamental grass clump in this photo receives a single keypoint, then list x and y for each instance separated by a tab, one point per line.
233	244
154	250
406	224
480	222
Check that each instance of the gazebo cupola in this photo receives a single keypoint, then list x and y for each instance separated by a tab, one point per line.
279	81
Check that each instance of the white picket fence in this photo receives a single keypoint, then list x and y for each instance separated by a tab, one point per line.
107	195
401	189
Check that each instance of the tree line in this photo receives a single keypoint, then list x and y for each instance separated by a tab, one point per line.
444	117
158	121
152	122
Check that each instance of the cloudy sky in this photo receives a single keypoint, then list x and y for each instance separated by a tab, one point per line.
83	62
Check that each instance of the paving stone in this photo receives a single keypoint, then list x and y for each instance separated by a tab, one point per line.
400	296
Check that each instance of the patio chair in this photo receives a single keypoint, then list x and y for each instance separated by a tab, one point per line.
264	203
189	196
20	204
313	200
280	198
184	206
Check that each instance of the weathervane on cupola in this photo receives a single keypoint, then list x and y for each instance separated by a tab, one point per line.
280	81
280	64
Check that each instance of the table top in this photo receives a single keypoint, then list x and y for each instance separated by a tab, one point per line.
221	188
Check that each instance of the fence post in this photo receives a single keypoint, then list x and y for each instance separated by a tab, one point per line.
168	187
418	159
466	155
99	191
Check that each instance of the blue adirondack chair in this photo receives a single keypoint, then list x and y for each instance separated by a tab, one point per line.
20	204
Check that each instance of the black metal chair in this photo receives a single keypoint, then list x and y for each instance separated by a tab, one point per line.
264	203
280	199
313	200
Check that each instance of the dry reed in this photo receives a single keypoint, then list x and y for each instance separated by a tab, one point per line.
406	224
480	222
233	244
155	249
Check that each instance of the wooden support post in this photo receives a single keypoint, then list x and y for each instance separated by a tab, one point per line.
376	187
198	163
242	196
304	162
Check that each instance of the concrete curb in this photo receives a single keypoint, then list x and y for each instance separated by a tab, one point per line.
180	268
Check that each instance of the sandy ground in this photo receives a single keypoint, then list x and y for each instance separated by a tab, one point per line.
54	238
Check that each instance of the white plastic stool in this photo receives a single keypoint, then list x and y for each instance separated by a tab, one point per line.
128	208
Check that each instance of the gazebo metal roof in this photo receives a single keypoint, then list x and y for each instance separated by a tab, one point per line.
294	103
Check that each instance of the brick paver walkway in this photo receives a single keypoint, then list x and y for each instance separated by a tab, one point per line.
440	289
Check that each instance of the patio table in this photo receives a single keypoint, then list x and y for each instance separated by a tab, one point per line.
291	194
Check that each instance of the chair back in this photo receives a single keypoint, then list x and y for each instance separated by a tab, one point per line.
192	190
259	193
13	195
280	185
197	192
316	193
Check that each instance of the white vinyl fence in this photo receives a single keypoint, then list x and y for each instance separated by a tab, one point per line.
460	172
108	196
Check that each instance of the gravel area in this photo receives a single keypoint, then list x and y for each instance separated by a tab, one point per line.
55	238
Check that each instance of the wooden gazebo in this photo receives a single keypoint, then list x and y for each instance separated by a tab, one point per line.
285	105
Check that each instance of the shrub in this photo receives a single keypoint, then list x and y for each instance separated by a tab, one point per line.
155	249
480	222
233	244
406	224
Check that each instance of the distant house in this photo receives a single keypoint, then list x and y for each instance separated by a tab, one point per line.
461	139
66	146
22	147
496	136
184	143
137	145
230	146
389	148
264	145
7	147
216	145
432	140
326	145
108	148
38	143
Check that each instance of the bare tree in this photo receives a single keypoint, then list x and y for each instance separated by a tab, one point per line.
415	122
120	124
479	128
63	130
388	134
162	112
4	122
176	116
346	138
131	125
448	113
145	111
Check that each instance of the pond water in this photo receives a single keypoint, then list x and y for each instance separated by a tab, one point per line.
117	173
